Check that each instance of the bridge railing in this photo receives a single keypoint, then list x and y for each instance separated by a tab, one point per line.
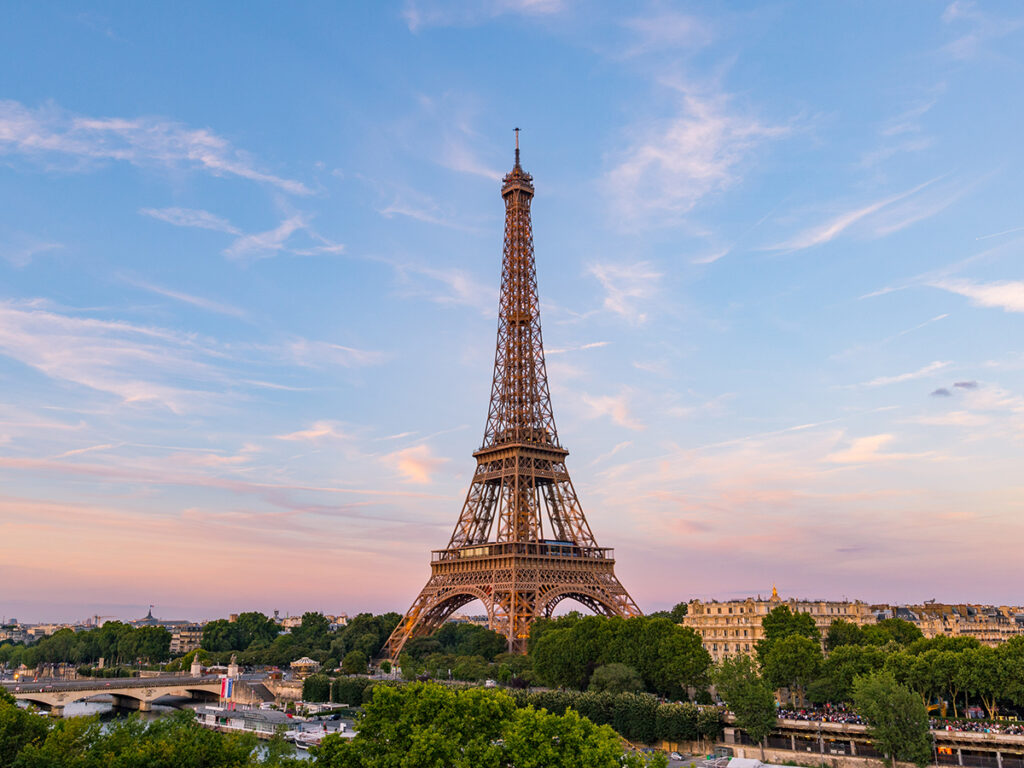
101	683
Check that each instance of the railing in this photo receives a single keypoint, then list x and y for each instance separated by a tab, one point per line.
545	549
101	683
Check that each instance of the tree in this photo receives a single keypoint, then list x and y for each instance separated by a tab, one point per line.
385	667
219	635
792	662
256	629
903	632
896	717
313	631
615	678
316	688
153	644
843	633
675	615
668	658
431	725
749	697
537	739
780	623
470	640
987	676
18	729
354	663
838	670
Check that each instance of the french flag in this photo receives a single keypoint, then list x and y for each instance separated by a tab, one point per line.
226	687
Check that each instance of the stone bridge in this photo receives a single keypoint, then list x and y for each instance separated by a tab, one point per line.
129	693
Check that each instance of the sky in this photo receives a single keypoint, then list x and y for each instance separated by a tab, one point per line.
249	261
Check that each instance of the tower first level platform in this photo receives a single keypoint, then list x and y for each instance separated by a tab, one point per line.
516	582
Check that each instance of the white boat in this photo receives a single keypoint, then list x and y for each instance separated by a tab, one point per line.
307	740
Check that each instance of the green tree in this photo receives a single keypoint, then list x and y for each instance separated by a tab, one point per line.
313	631
843	633
749	697
316	688
152	644
430	725
793	662
537	739
220	635
896	717
900	630
675	615
780	623
987	678
18	728
385	667
256	629
615	678
470	640
354	663
838	670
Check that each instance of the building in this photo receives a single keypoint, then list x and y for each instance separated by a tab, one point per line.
734	626
186	638
989	624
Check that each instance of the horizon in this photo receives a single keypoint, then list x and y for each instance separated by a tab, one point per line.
250	265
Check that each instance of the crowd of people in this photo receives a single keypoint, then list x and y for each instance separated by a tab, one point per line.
830	715
842	715
975	726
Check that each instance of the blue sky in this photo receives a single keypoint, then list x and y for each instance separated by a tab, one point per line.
249	257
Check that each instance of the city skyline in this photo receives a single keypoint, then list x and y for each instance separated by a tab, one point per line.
249	275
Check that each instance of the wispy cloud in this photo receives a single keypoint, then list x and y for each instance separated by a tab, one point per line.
318	430
135	363
671	164
416	465
579	348
868	450
314	354
149	365
256	245
829	230
459	287
667	29
982	28
50	131
209	305
191	217
617	408
920	373
1007	295
22	249
266	243
626	287
422	14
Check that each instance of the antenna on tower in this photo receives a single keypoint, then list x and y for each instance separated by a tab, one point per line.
517	146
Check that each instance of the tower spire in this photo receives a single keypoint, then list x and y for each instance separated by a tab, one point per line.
517	147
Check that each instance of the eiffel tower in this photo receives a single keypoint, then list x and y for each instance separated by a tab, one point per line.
522	544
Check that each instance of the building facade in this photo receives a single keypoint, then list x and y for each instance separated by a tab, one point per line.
988	624
734	626
186	638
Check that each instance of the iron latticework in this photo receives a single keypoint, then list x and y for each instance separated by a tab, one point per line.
522	544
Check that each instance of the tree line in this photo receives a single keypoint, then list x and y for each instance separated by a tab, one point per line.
115	642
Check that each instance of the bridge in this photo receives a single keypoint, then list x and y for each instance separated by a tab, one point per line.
129	693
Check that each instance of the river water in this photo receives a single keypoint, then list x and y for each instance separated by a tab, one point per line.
106	711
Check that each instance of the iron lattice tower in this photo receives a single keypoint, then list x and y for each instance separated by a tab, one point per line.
522	544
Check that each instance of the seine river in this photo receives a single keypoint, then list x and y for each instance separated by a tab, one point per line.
106	711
